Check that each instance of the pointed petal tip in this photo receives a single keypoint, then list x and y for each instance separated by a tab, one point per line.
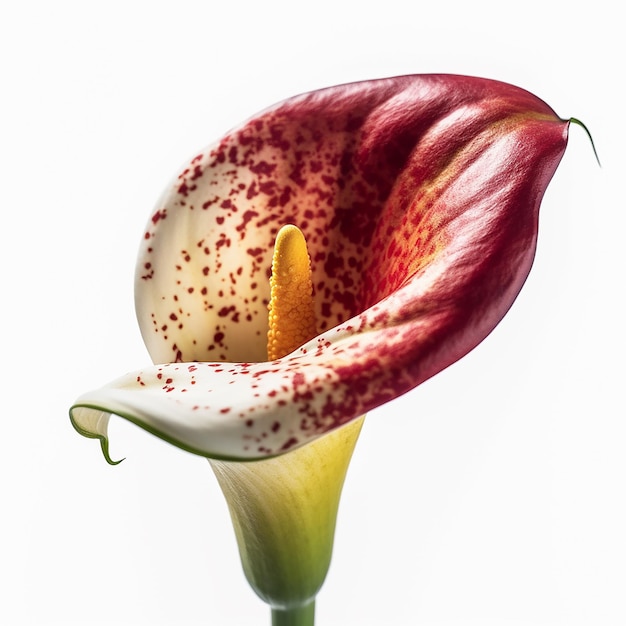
574	120
104	444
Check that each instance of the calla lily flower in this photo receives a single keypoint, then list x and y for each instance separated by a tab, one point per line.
418	198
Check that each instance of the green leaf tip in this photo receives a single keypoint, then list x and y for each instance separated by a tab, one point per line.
574	120
104	444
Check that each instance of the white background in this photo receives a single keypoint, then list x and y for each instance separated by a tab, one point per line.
493	494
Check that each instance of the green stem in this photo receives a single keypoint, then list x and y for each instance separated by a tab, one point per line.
297	616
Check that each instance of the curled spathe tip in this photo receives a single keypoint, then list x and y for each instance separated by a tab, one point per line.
574	120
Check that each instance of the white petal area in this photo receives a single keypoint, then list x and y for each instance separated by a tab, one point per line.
201	286
227	411
248	411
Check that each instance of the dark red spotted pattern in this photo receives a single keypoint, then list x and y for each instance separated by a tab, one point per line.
419	199
210	241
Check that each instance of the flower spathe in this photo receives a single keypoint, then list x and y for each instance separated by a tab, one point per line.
418	197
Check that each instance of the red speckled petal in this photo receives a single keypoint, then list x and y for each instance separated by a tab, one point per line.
419	199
